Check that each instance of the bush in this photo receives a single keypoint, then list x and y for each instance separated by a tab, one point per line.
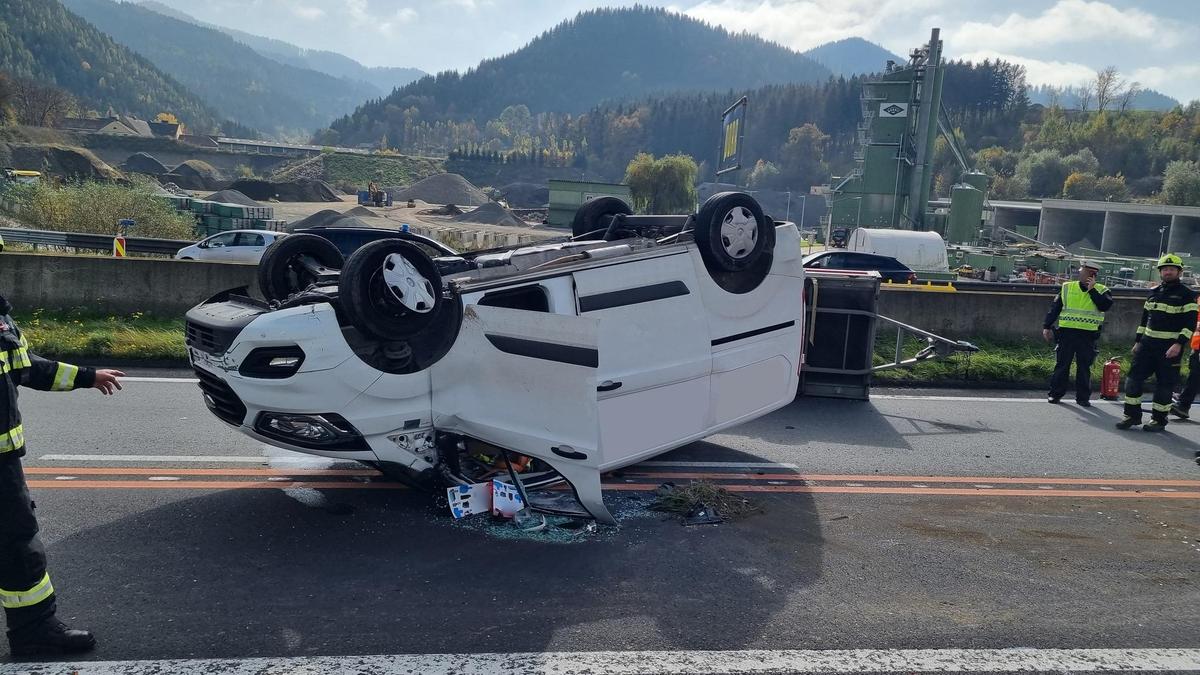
96	208
1181	184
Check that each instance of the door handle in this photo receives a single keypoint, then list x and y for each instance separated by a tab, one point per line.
608	385
568	452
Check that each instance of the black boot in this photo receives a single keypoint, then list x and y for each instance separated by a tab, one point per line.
48	638
1128	423
1156	424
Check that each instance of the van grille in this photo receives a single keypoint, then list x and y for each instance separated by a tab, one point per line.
220	399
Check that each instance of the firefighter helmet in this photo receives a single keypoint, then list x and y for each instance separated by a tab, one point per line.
1170	260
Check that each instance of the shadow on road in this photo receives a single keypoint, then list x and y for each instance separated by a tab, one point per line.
256	573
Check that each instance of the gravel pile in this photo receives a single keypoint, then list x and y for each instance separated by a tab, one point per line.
490	214
525	195
445	188
196	175
306	190
352	218
142	162
231	197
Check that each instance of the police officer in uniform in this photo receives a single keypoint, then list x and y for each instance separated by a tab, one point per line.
26	592
1079	309
1168	319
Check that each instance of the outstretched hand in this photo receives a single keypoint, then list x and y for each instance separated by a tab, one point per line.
107	381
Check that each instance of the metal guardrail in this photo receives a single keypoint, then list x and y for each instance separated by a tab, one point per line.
91	242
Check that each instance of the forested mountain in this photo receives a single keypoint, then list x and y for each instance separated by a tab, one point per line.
381	79
600	55
798	135
236	80
852	56
1073	98
41	40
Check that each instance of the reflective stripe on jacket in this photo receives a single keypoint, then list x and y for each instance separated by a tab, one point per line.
1169	314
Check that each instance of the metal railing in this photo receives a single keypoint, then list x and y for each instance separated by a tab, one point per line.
91	242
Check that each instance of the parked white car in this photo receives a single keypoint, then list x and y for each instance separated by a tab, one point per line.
570	359
244	246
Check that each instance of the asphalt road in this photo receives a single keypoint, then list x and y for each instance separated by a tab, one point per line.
912	521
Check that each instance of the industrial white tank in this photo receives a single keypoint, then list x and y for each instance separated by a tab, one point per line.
921	251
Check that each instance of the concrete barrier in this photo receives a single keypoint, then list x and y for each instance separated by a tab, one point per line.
115	286
970	315
171	287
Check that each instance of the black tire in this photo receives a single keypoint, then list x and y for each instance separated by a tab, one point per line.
595	215
279	276
370	304
723	253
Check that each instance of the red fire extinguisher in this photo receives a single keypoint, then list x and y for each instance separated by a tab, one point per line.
1111	381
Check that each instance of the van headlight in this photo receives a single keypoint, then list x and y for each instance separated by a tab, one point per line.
324	431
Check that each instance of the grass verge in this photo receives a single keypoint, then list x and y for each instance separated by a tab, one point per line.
78	336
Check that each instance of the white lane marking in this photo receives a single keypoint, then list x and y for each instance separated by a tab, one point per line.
164	380
163	478
723	465
755	662
198	459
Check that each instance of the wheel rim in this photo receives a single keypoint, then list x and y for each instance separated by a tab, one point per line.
407	285
739	232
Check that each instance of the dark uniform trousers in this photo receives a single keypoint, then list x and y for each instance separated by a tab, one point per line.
1151	359
1188	395
1078	347
22	556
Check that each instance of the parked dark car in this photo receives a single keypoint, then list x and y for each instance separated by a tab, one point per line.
889	268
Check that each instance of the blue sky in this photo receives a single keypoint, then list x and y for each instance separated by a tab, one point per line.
1155	42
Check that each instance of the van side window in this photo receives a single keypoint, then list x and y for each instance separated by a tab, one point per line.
529	298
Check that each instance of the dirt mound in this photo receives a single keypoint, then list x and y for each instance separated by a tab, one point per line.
57	160
231	197
254	188
490	214
141	162
447	210
321	218
196	175
305	190
361	212
444	188
525	195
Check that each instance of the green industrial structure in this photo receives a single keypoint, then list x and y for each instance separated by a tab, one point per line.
566	196
893	176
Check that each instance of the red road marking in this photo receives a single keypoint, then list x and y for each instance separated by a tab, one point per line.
140	471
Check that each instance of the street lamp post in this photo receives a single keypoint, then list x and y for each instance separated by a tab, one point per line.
1162	233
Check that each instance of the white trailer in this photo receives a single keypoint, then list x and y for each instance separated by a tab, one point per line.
921	251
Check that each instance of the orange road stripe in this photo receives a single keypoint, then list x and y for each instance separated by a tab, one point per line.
791	489
1032	480
208	485
839	489
141	471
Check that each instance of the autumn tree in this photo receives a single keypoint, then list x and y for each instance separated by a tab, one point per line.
802	158
40	105
664	185
1181	184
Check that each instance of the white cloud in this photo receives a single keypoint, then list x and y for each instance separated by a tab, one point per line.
804	24
402	16
308	13
1068	21
1037	71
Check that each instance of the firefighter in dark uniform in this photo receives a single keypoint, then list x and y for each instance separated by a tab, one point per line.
26	592
1079	309
1167	322
1183	404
